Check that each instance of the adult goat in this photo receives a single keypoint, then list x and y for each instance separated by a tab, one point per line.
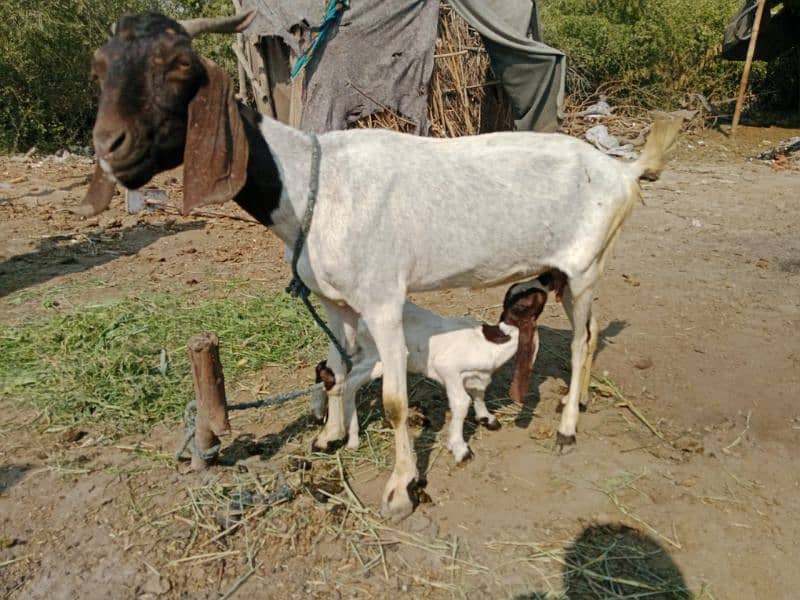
395	213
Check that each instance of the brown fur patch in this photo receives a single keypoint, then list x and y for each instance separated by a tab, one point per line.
324	375
494	334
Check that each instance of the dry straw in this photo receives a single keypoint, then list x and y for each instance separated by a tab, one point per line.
465	96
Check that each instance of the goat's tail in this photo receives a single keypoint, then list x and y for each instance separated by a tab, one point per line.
662	136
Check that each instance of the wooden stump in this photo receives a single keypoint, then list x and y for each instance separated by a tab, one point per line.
209	388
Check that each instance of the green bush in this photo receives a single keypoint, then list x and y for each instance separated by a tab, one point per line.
657	50
46	96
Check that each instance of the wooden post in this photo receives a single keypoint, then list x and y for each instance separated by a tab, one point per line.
751	48
239	43
209	388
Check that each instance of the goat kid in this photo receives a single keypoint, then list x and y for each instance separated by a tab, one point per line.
395	213
460	353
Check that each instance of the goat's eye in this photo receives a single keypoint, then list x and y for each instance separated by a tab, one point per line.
179	68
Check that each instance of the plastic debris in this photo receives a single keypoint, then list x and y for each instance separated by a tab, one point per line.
604	141
138	200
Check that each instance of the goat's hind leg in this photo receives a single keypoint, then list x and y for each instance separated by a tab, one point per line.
579	310
482	414
459	401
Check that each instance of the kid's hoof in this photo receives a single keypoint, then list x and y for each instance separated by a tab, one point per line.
491	425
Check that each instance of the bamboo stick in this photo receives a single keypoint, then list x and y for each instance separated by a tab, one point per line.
748	63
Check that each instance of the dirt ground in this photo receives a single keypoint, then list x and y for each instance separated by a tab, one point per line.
699	311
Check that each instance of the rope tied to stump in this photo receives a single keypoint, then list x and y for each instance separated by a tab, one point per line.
190	415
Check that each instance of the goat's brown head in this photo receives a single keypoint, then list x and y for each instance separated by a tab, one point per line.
523	302
162	105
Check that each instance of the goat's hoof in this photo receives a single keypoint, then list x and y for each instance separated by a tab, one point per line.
316	446
564	440
352	443
491	425
326	447
466	457
399	500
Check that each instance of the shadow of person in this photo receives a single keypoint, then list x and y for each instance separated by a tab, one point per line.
62	254
617	561
12	474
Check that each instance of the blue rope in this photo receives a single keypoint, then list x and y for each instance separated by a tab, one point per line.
318	35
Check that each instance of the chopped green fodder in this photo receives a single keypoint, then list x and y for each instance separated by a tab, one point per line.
125	362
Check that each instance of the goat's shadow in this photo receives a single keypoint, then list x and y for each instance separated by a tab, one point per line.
617	561
428	403
553	361
247	445
61	254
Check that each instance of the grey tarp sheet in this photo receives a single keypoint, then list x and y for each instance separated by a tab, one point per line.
533	74
378	55
779	31
277	18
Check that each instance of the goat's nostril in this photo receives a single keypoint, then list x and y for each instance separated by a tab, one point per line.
117	142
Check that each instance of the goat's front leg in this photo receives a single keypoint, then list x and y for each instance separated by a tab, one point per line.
579	310
343	322
385	324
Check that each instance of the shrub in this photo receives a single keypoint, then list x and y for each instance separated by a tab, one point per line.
658	50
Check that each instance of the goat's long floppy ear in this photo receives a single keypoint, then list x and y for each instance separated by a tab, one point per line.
98	196
527	345
216	152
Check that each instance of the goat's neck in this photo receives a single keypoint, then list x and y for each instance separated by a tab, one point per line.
278	174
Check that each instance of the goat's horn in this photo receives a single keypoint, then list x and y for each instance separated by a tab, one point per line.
233	24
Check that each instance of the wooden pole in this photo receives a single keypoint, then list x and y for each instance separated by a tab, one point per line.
209	388
239	42
751	48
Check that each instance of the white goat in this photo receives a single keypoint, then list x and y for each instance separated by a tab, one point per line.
460	353
394	214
